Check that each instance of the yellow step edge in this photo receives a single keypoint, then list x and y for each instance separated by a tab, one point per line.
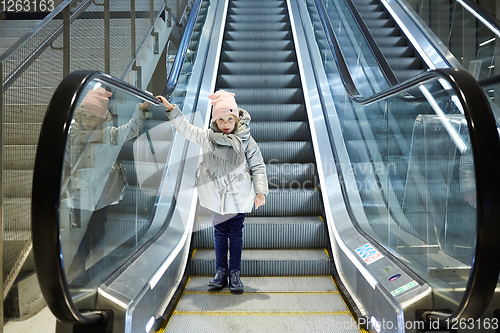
216	292
260	313
271	276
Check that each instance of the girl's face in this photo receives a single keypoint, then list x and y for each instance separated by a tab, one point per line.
226	123
90	121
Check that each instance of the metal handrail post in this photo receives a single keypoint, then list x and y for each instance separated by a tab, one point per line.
66	40
1	187
107	38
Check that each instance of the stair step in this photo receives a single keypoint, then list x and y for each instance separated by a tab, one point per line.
273	262
257	18
239	45
21	133
262	67
272	284
284	304
229	81
280	131
297	201
260	56
269	232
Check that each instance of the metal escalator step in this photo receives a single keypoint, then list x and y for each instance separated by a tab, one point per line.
383	31
257	321
255	11
258	35
269	232
281	131
258	18
298	201
370	8
122	228
405	63
281	176
269	304
269	96
250	26
406	74
257	4
287	152
391	41
398	51
257	262
275	45
275	112
256	56
141	151
374	15
258	81
145	174
382	23
273	284
286	67
135	200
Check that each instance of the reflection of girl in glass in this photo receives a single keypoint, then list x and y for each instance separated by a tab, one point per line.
96	178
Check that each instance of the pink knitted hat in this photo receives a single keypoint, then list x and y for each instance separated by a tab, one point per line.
224	103
96	102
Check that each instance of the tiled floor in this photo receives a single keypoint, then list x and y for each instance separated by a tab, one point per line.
43	322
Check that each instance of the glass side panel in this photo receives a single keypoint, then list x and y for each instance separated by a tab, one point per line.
359	59
119	178
114	164
472	41
412	185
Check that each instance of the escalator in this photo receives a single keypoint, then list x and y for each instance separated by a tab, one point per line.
285	258
365	222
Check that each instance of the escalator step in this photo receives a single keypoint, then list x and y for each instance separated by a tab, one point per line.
275	112
281	131
258	18
263	262
256	11
253	56
251	26
276	45
298	201
259	81
257	35
258	68
269	96
269	233
287	152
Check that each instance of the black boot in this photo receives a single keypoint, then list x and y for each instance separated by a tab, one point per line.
235	283
220	279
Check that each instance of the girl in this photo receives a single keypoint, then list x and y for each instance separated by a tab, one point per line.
231	178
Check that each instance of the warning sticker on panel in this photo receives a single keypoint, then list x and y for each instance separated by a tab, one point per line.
404	288
368	254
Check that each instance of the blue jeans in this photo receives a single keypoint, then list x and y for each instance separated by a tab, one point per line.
224	230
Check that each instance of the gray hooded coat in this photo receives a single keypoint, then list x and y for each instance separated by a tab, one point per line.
232	170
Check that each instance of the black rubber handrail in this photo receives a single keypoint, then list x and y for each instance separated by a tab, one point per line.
377	53
173	77
46	193
382	61
485	143
490	18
